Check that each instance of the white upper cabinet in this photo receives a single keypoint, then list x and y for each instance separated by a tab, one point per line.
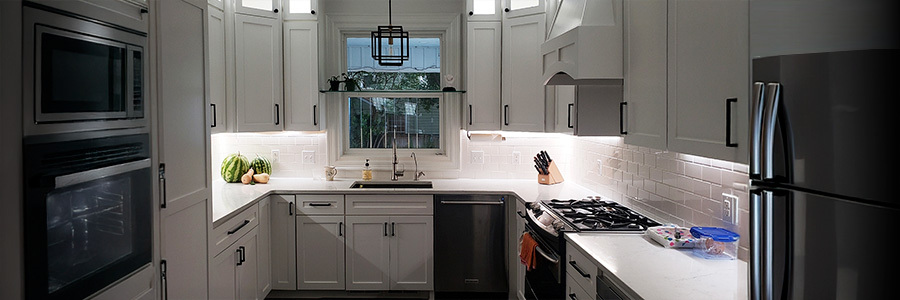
518	8
218	76
302	109
482	110
523	95
564	112
645	74
483	10
708	78
258	85
262	8
300	9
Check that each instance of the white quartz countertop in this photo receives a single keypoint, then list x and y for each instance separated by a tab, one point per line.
652	271
228	199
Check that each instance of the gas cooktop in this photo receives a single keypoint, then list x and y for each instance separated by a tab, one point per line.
597	214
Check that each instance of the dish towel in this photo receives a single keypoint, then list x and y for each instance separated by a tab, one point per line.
527	252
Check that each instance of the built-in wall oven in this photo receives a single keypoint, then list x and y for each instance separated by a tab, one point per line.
87	211
81	74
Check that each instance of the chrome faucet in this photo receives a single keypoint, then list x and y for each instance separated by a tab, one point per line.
395	175
417	173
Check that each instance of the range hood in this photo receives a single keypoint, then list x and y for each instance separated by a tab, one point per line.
584	46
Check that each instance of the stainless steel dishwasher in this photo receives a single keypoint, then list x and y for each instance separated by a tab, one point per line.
470	243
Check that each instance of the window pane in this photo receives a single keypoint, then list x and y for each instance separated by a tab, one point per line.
258	4
374	121
484	7
300	6
520	4
421	72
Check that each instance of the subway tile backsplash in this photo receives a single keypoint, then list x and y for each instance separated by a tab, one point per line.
676	188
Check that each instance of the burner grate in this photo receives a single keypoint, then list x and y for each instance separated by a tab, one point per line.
596	214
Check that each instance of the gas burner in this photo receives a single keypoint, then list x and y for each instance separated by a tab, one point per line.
596	214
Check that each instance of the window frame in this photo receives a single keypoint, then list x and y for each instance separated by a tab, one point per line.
447	27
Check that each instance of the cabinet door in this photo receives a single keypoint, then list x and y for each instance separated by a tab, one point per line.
483	10
320	252
645	70
258	73
523	89
520	268
181	130
708	71
262	8
564	112
246	271
264	254
301	10
217	73
483	75
301	71
283	242
368	253
222	276
518	8
412	253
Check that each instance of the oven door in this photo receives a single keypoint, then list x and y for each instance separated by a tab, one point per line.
546	280
87	215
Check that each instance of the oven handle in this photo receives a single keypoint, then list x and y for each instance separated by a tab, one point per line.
94	174
545	255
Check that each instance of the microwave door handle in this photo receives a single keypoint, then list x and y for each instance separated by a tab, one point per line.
770	115
94	174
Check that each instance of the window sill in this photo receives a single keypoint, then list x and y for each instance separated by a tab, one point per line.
392	92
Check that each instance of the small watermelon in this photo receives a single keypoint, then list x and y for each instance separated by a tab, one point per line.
234	166
261	165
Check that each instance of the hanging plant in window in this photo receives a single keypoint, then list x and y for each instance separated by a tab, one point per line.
390	44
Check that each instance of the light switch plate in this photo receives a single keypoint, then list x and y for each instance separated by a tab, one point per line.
478	157
517	157
309	157
275	155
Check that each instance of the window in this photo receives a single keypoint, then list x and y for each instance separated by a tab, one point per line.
387	109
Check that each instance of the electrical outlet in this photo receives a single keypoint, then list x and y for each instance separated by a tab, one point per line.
517	157
730	208
275	155
599	166
309	157
478	157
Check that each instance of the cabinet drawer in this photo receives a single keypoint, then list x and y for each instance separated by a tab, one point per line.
574	291
230	231
580	269
320	204
390	204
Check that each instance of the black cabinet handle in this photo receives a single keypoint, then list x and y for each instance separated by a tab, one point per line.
312	12
276	10
233	231
728	103
622	117
213	105
162	185
277	115
392	229
506	9
471	13
506	115
144	11
315	115
319	204
290	208
470	114
572	296
163	280
385	228
522	215
569	122
577	269
341	229
240	253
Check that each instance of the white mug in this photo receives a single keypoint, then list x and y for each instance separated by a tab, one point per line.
330	172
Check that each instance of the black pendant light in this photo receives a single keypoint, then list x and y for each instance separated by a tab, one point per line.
390	44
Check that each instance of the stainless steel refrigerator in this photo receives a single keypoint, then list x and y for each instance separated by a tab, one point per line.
824	174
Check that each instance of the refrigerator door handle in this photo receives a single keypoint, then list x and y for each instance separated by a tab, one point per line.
770	112
761	249
756	113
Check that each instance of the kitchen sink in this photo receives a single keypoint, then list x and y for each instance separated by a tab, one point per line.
391	185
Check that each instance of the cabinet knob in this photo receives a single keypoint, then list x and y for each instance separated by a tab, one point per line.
276	10
312	12
471	13
506	9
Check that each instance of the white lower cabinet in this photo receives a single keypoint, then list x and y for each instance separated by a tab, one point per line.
233	273
368	253
390	253
320	252
282	253
412	253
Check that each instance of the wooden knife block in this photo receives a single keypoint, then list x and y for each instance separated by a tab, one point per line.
553	178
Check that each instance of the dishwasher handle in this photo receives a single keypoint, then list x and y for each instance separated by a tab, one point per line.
452	202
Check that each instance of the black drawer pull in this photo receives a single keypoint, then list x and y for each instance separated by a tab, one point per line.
577	269
728	103
319	204
239	227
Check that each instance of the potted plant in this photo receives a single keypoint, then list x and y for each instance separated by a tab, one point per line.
350	82
334	83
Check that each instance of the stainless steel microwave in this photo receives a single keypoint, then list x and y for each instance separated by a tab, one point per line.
81	74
